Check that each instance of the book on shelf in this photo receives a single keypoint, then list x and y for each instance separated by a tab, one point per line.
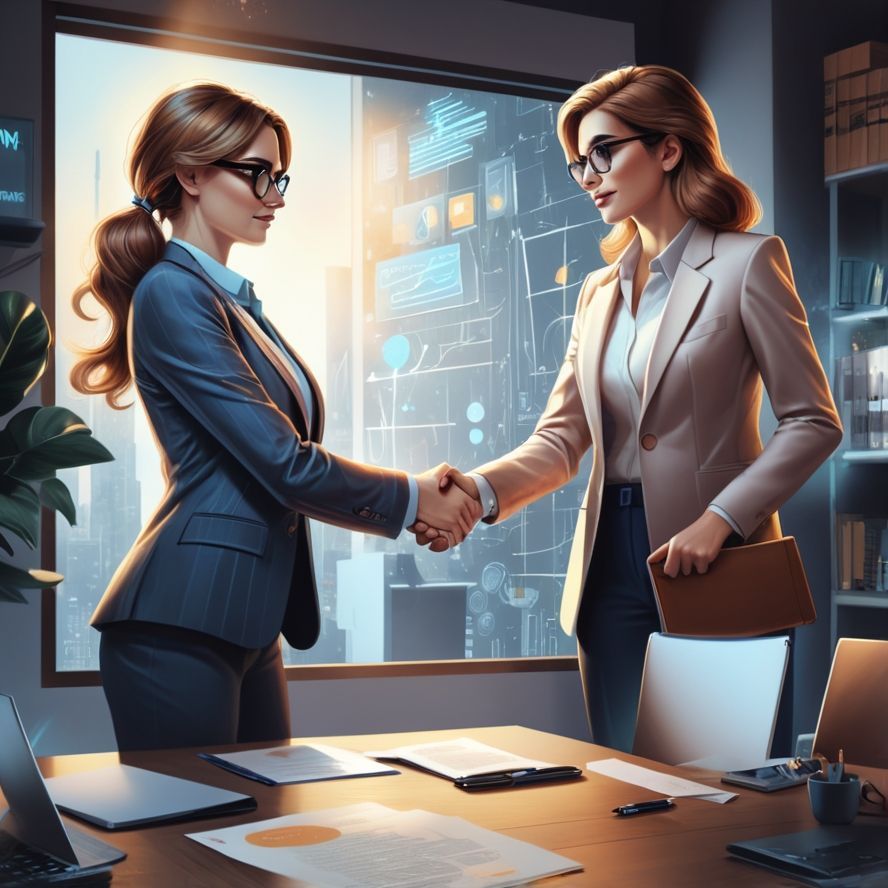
877	393
861	282
859	435
862	550
861	392
844	393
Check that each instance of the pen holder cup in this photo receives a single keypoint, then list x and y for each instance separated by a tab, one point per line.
834	803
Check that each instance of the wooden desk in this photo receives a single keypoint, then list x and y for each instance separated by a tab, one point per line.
682	847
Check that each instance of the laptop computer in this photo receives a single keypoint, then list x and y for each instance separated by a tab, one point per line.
840	856
854	713
35	846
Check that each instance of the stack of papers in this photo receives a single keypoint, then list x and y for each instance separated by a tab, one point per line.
303	763
667	784
460	758
370	844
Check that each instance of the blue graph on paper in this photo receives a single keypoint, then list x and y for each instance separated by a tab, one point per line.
419	282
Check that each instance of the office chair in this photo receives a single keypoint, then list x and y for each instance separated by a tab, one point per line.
710	702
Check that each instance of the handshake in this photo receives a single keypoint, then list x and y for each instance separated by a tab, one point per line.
449	507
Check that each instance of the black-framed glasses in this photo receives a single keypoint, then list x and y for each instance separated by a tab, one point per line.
261	176
600	156
873	798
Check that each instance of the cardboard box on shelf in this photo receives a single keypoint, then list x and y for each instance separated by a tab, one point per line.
861	57
830	67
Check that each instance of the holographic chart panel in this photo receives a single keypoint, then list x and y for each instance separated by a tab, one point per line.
476	244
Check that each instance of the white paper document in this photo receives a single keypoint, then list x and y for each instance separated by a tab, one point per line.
371	846
463	757
675	787
300	763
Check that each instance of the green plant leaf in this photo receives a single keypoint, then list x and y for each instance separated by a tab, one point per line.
54	495
49	439
5	545
24	343
20	513
14	438
14	578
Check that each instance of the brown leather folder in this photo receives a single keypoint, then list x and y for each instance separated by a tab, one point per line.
748	590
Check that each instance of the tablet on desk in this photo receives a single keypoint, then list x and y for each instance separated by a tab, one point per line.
770	778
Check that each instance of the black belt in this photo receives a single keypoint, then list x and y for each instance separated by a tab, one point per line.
622	496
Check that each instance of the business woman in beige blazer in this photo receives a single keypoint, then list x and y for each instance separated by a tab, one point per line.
663	375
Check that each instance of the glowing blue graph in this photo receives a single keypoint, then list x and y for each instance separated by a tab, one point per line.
418	282
451	123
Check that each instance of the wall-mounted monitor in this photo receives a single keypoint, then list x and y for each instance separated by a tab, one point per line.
17	223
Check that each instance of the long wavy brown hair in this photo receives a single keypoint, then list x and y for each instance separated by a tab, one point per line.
191	126
653	97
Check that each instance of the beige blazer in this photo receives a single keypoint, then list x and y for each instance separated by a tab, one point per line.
733	319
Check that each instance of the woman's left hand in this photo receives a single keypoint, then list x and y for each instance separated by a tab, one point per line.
695	547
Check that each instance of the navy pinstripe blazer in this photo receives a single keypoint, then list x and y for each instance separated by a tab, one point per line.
227	551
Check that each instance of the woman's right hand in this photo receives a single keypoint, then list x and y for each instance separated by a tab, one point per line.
444	507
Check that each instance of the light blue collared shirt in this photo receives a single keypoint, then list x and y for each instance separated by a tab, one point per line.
233	284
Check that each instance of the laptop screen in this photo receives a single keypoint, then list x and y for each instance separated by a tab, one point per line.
33	819
854	714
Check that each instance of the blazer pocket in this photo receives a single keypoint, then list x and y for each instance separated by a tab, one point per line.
704	328
226	532
711	482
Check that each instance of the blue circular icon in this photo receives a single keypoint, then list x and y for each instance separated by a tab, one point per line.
475	412
476	436
396	351
486	623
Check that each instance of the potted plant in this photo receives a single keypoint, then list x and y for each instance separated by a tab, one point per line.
34	444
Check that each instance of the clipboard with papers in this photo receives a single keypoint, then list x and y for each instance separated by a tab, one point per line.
747	591
472	765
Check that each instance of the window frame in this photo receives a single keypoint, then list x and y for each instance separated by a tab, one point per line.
107	24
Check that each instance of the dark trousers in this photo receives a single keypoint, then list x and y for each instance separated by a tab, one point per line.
169	687
618	613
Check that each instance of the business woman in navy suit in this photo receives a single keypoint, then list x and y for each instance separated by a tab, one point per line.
190	622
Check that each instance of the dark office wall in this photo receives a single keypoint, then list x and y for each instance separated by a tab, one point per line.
804	31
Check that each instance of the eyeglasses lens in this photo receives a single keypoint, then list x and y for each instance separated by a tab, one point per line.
263	182
599	159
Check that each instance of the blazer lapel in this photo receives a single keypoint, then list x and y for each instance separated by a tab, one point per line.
684	297
274	357
593	338
175	253
313	383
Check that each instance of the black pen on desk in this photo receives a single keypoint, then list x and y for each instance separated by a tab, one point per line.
643	807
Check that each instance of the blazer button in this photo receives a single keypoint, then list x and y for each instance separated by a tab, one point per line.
291	530
649	442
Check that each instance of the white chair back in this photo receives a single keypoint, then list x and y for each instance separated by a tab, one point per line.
710	702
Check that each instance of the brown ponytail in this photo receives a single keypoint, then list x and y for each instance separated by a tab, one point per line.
126	245
191	126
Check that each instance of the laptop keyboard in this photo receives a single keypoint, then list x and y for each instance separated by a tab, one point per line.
23	865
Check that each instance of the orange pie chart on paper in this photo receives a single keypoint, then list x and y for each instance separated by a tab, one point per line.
292	836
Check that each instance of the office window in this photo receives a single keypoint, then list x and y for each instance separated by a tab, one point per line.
426	267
